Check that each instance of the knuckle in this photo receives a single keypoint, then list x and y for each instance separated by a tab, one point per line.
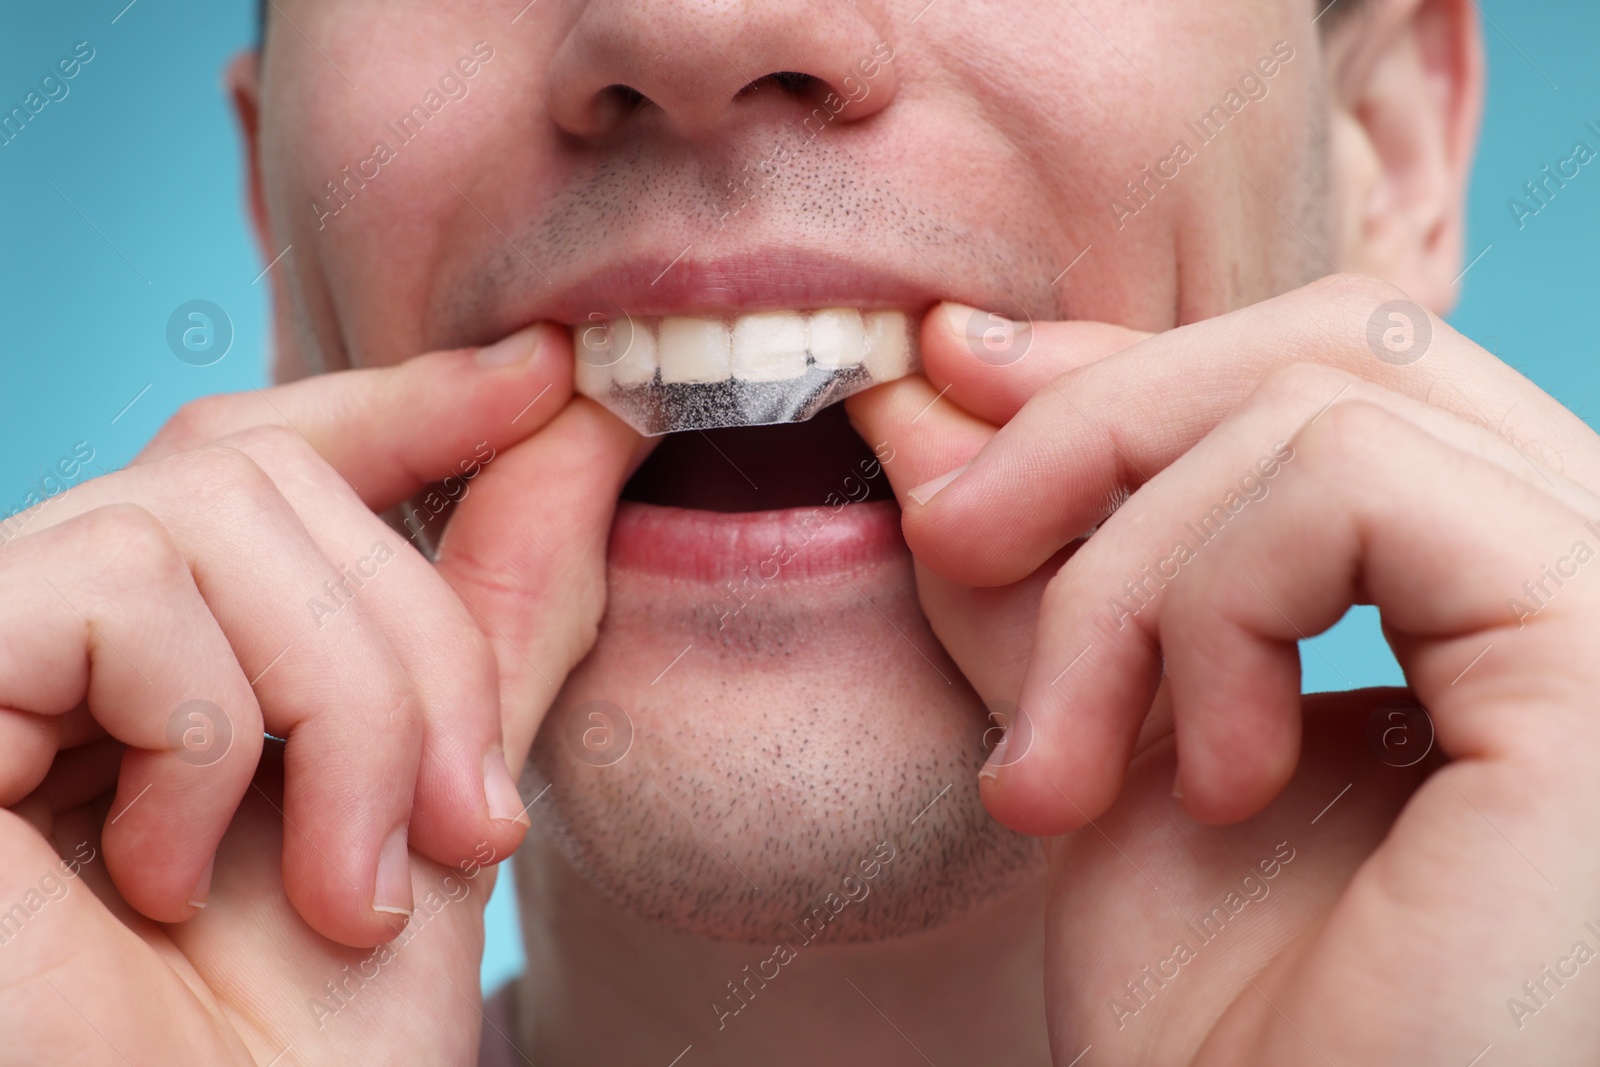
1354	432
1296	384
132	544
399	716
198	421
289	459
219	473
269	440
1360	292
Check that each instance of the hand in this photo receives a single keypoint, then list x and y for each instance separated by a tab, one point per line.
1418	508
239	562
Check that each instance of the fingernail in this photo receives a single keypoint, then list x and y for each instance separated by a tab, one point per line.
1177	785
975	324
925	492
997	758
393	893
202	890
518	348
969	322
505	803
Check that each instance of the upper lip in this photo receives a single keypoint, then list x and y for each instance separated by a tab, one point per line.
773	279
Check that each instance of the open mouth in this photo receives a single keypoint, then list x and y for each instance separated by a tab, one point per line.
738	365
781	500
762	468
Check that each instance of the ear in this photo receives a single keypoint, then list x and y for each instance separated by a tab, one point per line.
243	80
1407	98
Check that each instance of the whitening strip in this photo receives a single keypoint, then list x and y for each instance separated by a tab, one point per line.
680	373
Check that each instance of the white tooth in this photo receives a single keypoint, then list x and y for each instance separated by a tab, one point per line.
593	374
638	363
769	346
888	345
838	338
598	346
590	379
695	350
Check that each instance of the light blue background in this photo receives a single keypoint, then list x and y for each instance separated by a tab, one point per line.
145	213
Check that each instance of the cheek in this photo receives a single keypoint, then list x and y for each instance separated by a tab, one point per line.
384	189
1090	130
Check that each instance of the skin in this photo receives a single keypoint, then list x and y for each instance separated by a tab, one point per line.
1409	487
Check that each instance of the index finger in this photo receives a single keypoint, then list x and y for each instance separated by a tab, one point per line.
1105	429
390	431
990	365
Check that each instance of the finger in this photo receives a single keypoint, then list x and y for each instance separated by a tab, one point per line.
465	796
938	423
989	632
391	431
981	369
919	433
916	432
1377	537
526	553
1236	703
1147	544
70	960
1092	444
326	681
77	616
991	366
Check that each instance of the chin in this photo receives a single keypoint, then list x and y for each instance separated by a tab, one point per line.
767	740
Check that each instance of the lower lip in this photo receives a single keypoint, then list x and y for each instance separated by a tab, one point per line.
796	543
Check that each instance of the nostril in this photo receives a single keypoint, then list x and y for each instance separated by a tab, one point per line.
625	97
794	82
788	82
639	67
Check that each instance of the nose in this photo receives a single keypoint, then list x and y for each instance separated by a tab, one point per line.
697	64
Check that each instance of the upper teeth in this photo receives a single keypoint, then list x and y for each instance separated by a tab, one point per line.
766	346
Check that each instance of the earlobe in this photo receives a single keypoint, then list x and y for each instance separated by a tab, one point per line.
1407	79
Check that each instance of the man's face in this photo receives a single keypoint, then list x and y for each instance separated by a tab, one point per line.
790	707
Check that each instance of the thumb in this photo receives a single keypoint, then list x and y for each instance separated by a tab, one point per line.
390	431
526	551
